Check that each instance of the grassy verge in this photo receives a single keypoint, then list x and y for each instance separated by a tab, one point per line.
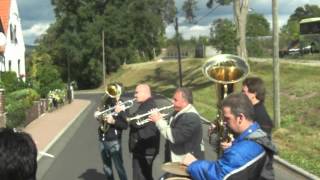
300	100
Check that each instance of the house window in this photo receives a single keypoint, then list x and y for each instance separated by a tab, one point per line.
11	32
19	67
10	65
15	34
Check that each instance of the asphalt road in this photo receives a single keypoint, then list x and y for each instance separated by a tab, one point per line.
77	151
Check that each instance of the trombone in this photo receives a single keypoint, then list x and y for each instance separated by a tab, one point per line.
111	111
142	118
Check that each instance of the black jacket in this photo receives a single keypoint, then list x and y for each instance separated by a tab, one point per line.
187	133
262	117
144	139
115	130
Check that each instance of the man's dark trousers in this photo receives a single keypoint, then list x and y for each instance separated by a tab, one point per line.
142	167
111	151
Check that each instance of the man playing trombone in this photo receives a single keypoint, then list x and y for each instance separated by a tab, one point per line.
110	130
184	131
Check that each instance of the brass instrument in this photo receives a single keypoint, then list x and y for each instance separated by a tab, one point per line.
113	90
111	111
225	70
142	118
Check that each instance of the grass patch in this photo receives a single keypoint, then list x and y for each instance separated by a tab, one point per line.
297	139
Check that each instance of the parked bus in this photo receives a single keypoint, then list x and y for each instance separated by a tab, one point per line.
310	35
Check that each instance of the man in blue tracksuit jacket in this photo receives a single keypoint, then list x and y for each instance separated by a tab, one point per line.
245	149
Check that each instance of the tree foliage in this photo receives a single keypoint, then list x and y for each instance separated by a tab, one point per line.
257	25
223	36
240	11
43	75
189	7
133	30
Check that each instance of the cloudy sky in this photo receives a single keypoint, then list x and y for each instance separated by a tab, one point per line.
37	15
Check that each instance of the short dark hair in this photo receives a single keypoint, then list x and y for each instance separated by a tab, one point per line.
18	155
239	103
186	94
255	85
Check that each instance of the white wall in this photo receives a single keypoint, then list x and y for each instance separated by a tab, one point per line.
14	51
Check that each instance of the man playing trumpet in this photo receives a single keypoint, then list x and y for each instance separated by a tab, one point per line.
144	138
184	130
110	130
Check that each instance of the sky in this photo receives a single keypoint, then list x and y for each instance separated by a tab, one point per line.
37	15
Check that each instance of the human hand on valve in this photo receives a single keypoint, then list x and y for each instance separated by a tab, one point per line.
155	115
119	107
109	119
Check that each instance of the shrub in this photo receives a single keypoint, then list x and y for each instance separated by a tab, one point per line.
17	103
10	81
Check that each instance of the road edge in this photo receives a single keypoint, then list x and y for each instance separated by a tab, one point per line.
40	155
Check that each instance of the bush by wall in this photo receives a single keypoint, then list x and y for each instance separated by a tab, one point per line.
17	103
10	81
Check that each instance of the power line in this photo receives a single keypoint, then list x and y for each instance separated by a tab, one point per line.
197	21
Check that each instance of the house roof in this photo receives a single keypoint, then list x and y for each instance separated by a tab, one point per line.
4	14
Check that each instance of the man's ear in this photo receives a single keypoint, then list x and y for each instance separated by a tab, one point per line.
241	118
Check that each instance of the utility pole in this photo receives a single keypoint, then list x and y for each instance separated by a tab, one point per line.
103	62
179	53
276	74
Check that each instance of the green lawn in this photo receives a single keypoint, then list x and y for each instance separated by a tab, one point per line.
300	100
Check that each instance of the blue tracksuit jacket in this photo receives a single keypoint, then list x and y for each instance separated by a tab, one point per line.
239	154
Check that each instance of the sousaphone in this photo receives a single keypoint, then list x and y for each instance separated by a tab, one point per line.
224	70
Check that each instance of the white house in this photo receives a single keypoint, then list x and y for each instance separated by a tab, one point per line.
12	52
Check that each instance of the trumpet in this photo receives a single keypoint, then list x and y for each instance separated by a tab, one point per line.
111	111
142	118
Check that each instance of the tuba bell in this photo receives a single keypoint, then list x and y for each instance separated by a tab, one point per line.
113	90
224	70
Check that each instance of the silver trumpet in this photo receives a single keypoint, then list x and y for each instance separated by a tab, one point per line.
143	118
111	111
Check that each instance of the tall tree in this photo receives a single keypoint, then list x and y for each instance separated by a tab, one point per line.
223	36
257	25
189	7
240	12
133	29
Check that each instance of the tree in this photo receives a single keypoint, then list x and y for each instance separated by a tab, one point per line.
223	36
189	6
133	30
43	74
240	10
257	25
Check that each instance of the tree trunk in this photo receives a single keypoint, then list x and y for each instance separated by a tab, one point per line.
240	18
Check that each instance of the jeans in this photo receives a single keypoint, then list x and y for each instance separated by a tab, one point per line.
142	167
111	151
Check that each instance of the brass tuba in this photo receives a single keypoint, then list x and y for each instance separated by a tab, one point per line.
113	90
225	70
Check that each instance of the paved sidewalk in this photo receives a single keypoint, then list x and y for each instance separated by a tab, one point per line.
46	129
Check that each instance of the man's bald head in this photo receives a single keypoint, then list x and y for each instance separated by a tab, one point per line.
142	93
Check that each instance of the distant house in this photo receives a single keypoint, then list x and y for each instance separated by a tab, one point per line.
12	55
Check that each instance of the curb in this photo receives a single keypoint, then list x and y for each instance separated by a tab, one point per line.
40	155
295	168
